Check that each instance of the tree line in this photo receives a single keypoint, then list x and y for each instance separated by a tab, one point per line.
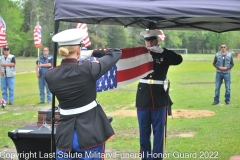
21	17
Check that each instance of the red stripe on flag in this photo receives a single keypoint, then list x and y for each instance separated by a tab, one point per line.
86	38
88	44
2	34
133	72
132	52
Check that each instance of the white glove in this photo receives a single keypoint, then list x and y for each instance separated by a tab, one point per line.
85	54
155	49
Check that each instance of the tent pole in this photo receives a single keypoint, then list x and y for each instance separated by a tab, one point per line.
53	147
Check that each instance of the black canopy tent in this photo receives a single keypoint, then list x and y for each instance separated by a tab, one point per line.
212	15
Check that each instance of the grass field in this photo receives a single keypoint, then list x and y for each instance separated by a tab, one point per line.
192	88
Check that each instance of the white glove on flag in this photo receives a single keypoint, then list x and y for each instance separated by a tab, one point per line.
155	49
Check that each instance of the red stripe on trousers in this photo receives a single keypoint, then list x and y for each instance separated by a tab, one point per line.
103	151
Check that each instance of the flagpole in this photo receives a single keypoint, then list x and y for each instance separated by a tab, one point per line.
38	53
38	60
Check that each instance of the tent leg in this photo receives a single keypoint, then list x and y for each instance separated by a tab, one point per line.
53	147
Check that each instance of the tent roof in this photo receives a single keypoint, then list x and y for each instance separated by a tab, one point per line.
213	15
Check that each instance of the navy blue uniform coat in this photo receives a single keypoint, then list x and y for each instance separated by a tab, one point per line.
74	86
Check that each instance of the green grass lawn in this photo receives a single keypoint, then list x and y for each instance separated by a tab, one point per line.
192	88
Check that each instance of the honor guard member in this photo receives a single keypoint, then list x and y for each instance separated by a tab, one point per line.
152	97
83	127
42	65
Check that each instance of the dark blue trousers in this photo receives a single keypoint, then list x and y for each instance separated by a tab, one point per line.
151	120
95	153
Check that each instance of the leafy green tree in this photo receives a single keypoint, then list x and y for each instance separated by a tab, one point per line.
98	36
116	37
133	37
11	13
172	39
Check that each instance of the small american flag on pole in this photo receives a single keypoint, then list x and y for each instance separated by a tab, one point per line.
37	36
161	36
3	41
86	40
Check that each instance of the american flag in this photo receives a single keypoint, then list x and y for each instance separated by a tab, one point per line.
86	40
3	41
134	64
37	36
108	80
161	36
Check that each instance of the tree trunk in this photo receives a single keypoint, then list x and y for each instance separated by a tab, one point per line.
24	52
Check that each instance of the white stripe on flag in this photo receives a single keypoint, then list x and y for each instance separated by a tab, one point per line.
128	63
123	83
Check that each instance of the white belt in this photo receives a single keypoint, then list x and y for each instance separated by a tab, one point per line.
78	110
151	81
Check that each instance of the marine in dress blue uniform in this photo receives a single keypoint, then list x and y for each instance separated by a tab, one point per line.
83	127
152	97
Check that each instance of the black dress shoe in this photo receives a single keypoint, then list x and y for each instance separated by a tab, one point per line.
41	103
227	103
215	103
10	103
